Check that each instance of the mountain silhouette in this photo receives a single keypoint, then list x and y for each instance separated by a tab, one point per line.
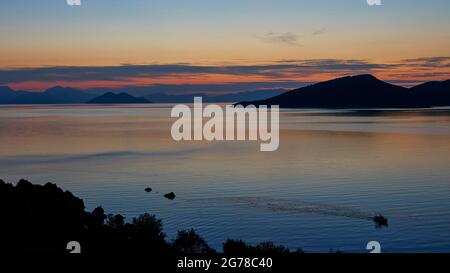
112	98
362	91
61	95
232	97
7	94
433	93
54	95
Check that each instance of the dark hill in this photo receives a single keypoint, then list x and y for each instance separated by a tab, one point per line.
54	95
363	91
7	94
111	98
433	93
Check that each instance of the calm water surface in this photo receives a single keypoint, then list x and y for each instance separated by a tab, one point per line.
333	171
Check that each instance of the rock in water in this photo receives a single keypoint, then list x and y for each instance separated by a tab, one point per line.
170	195
148	189
380	220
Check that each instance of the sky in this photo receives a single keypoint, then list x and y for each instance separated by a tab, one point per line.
118	43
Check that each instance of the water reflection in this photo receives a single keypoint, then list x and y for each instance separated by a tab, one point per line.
330	163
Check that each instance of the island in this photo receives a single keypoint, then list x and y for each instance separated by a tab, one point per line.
121	98
361	91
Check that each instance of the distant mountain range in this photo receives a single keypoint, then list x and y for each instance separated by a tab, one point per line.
234	97
66	95
363	91
111	98
54	95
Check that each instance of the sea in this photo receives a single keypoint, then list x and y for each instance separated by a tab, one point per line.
334	170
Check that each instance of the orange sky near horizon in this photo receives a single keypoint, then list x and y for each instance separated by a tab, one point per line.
410	75
223	33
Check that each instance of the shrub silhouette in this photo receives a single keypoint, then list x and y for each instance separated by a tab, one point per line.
43	219
265	248
190	242
115	221
39	217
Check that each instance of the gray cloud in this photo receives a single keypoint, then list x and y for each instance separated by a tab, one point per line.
287	38
429	62
282	70
318	32
124	72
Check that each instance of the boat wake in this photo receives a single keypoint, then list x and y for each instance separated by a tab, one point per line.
287	206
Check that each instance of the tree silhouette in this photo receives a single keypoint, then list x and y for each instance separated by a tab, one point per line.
190	242
43	219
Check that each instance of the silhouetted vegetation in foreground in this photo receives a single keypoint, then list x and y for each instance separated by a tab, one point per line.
43	219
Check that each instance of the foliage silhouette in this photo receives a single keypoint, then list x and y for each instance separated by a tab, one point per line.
40	219
265	248
192	243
